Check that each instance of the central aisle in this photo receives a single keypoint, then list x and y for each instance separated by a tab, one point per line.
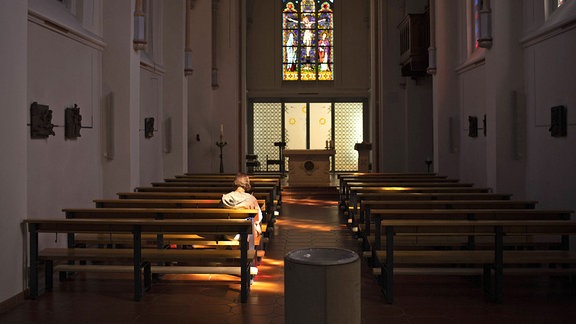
309	224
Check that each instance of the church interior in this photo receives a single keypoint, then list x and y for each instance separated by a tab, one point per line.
432	139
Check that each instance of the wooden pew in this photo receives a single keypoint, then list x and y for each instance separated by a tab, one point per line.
270	190
352	200
164	203
227	178
270	204
224	187
343	178
138	259
400	184
346	183
172	203
488	262
159	213
379	215
416	196
226	175
364	217
164	213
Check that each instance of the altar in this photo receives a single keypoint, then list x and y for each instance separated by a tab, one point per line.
309	167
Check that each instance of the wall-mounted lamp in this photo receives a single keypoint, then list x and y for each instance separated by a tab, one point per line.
558	121
428	162
72	122
40	121
214	78
139	27
149	127
188	41
472	126
432	31
188	62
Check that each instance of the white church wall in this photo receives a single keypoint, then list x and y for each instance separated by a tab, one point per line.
472	104
151	166
550	79
121	81
15	112
63	73
175	110
214	88
63	172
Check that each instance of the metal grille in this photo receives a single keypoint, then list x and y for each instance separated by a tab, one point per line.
267	130
347	132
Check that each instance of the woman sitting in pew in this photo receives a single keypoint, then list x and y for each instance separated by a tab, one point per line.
241	197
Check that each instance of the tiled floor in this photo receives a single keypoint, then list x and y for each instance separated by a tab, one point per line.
106	298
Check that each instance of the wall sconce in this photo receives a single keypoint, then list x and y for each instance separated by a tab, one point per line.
188	62
485	25
432	38
188	40
40	121
108	126
148	127
214	78
72	122
558	121
472	126
139	27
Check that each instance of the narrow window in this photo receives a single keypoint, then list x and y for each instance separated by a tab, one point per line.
477	8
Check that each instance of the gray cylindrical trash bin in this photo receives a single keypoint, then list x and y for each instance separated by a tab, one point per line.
322	285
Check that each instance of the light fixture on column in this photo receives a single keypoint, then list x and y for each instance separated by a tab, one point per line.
214	78
188	62
139	27
432	48
485	25
188	47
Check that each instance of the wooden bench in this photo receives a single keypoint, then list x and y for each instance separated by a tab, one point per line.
225	176
137	258
491	263
347	187
224	187
345	181
416	196
173	203
227	180
354	192
170	203
270	204
381	215
367	205
165	203
167	213
270	191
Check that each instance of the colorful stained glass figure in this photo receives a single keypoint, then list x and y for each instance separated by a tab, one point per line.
307	40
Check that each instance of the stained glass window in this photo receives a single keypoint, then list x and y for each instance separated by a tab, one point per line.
307	40
477	7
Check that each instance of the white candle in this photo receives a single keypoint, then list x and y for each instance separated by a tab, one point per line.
221	130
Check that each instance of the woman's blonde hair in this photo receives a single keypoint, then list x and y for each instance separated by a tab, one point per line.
243	181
